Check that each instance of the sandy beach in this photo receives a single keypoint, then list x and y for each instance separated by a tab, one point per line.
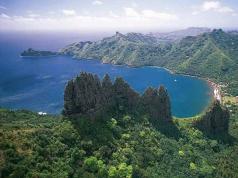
216	90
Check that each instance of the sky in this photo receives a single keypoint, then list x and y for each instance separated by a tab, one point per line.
116	15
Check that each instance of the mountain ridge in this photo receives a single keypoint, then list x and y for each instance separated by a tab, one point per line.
179	34
209	55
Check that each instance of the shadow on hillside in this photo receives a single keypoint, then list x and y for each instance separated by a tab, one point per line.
95	130
224	138
169	129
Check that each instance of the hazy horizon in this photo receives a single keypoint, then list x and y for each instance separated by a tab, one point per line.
110	16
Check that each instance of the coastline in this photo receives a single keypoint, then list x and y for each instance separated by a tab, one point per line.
217	94
216	89
38	56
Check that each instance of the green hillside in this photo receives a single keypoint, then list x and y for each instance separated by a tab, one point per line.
47	146
211	55
109	131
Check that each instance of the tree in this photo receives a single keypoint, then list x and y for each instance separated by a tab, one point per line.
107	90
69	96
157	104
87	95
126	99
215	120
164	105
121	171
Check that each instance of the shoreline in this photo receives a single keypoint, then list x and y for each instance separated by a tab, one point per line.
217	94
216	89
38	56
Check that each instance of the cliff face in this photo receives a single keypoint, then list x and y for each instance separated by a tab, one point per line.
87	95
215	120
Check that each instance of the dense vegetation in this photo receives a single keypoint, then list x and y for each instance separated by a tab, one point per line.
215	120
131	143
87	96
34	53
47	146
213	54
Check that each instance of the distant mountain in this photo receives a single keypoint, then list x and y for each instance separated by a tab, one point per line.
234	32
212	54
118	49
178	35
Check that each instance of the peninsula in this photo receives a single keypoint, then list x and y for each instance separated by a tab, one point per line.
34	53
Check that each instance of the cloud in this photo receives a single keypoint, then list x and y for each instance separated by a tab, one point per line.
129	20
112	14
195	12
69	12
159	15
134	4
97	2
22	19
215	6
130	12
149	14
2	15
84	23
3	7
33	15
234	14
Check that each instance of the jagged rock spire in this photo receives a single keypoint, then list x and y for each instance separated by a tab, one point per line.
215	120
84	93
87	95
164	105
157	104
126	98
107	89
69	96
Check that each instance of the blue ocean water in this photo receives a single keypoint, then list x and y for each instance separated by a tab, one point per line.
38	83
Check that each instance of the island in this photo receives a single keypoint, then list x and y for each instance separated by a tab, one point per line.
35	53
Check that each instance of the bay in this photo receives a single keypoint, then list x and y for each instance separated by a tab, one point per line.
38	83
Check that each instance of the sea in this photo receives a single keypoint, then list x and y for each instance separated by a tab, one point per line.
38	84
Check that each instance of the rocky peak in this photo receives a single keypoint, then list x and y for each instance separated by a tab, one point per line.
87	95
119	35
157	103
215	120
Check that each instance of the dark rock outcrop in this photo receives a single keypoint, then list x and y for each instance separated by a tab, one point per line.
156	103
164	105
126	99
69	101
87	95
215	120
83	95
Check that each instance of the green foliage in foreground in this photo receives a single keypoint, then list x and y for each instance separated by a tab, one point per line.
48	146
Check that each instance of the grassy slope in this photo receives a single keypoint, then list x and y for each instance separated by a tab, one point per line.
47	146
